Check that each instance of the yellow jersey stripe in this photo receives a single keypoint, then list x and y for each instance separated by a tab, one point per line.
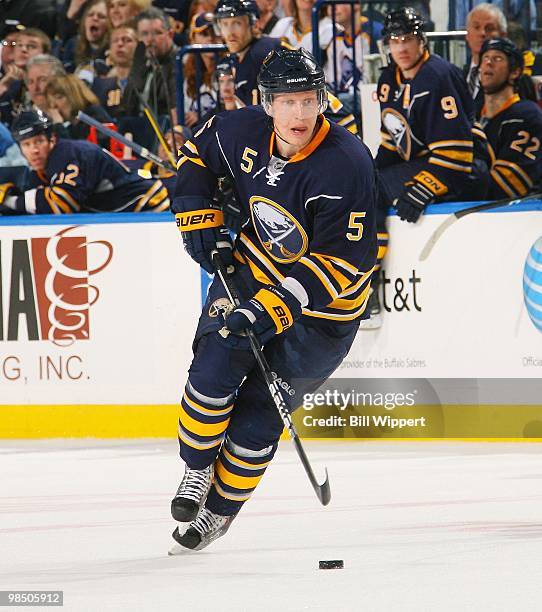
450	165
311	265
502	184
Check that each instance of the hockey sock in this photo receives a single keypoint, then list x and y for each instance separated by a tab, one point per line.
238	471
202	423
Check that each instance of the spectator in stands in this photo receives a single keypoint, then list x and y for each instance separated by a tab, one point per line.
153	70
198	102
342	64
40	14
7	48
28	43
39	71
268	17
297	29
236	21
72	176
122	12
513	127
485	21
10	154
66	96
69	19
92	42
109	89
532	59
180	14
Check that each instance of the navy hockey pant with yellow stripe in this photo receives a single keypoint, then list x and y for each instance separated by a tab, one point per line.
227	416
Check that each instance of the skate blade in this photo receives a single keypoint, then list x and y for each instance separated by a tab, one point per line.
177	550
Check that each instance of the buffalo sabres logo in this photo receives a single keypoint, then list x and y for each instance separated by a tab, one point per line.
280	234
220	307
399	130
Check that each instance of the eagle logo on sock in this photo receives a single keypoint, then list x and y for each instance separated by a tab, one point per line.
280	234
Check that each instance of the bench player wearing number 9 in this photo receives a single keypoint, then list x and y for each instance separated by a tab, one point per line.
303	263
427	114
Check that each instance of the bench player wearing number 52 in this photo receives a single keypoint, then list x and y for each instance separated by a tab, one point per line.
71	176
426	151
303	262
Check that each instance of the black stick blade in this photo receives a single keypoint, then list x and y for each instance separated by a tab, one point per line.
324	492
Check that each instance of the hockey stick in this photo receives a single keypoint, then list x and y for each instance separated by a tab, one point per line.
156	128
426	251
141	151
322	491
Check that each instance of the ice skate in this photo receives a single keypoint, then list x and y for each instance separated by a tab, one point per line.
206	528
191	494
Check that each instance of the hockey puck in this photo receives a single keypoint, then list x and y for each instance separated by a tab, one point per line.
333	564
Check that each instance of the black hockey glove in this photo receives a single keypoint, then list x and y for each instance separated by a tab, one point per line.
271	311
227	200
203	231
412	202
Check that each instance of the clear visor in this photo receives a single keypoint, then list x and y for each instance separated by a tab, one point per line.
301	105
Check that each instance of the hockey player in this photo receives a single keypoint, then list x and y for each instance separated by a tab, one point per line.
426	153
303	263
236	23
238	72
72	176
513	127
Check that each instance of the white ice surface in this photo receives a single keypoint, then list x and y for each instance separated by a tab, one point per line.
420	526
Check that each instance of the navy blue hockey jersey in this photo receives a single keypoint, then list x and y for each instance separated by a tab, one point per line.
427	118
514	145
82	177
310	218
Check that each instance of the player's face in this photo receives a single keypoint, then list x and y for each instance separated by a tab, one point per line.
37	78
96	23
494	71
121	11
122	47
406	50
155	36
236	32
294	116
481	26
36	150
26	48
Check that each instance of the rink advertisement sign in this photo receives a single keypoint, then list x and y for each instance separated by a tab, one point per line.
49	287
472	309
102	313
87	316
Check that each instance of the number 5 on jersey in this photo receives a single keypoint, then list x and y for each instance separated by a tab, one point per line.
356	225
